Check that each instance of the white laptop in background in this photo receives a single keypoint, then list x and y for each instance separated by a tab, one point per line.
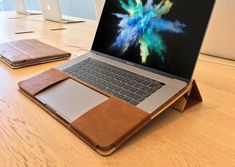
21	8
51	11
220	37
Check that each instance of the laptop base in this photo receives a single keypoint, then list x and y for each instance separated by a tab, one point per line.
108	125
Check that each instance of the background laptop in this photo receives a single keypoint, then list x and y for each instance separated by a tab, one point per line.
144	53
51	11
21	8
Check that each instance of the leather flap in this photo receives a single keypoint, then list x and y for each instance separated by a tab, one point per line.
108	124
40	82
189	99
29	49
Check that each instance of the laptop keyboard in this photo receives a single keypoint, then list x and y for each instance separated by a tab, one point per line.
126	85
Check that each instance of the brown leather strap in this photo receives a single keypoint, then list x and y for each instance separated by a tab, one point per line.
42	81
106	125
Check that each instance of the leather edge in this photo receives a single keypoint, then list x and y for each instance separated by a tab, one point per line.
32	87
117	143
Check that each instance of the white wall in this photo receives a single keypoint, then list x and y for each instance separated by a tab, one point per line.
99	7
81	8
220	38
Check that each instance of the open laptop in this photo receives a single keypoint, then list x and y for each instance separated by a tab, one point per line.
144	53
21	8
51	11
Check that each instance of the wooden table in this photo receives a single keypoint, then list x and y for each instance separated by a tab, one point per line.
204	135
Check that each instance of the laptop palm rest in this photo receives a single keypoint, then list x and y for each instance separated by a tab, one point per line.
70	99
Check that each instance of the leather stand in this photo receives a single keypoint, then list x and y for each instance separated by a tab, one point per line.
108	125
190	98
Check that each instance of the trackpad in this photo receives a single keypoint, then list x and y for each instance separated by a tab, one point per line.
70	99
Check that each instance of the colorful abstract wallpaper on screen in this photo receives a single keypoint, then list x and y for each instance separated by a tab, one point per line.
141	25
159	35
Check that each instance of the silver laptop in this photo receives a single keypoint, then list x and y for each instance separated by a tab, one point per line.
21	8
143	53
51	11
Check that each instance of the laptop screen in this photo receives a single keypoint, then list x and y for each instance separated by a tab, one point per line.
161	34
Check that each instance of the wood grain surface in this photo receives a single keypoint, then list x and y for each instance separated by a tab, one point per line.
202	136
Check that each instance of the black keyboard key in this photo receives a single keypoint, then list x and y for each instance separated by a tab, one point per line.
120	84
133	89
141	92
134	96
120	96
128	99
134	102
151	90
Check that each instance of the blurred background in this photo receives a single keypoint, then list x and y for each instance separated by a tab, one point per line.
81	8
219	40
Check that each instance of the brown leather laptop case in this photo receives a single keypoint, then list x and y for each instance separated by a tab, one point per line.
106	126
22	53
